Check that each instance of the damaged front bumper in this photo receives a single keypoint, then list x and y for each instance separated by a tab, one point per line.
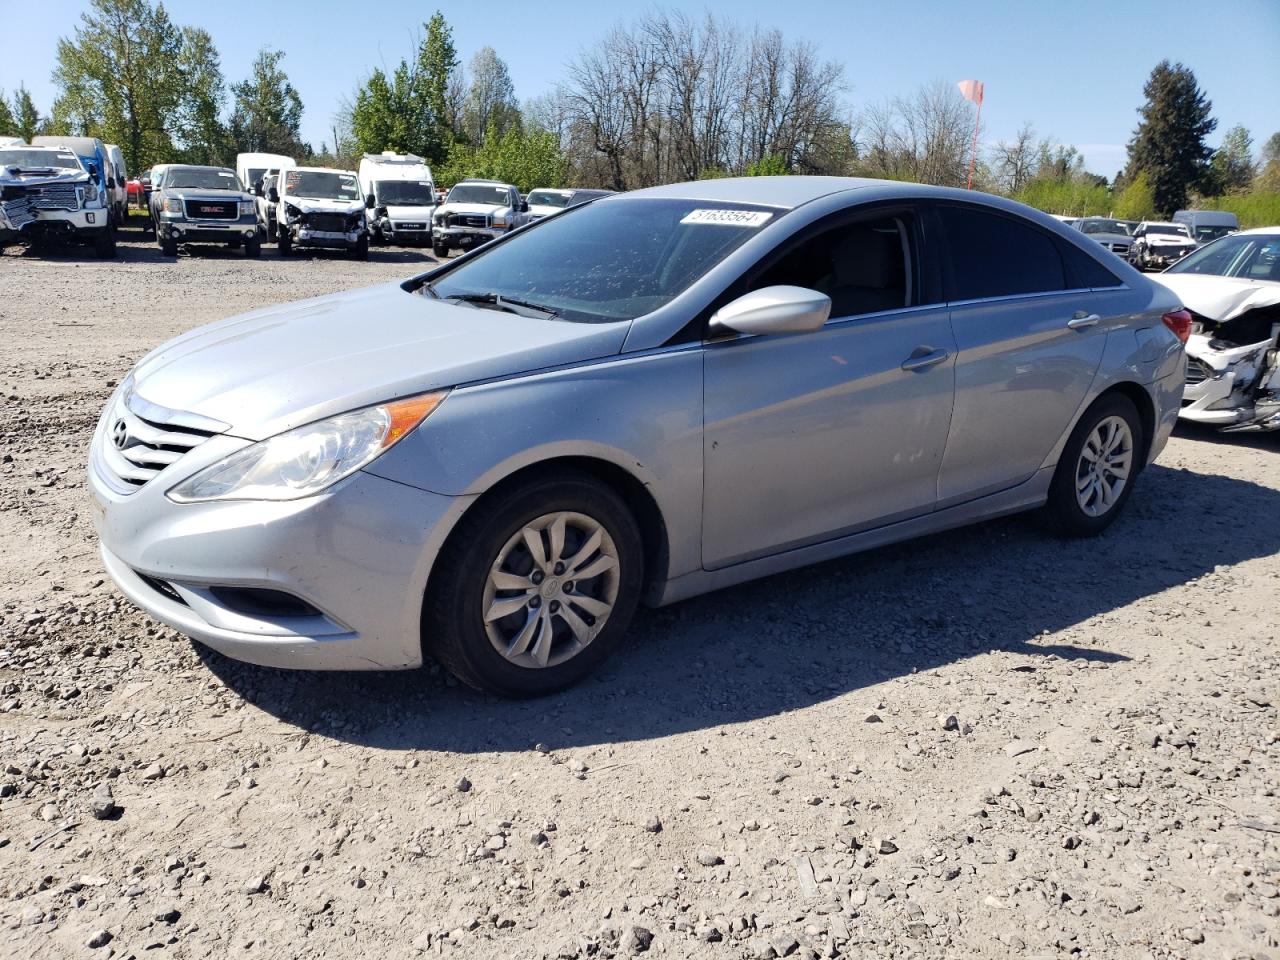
1234	388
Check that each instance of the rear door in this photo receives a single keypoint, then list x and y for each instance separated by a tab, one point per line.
1030	333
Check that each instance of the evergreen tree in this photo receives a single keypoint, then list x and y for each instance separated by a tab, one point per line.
8	125
1169	144
267	114
199	129
26	119
437	61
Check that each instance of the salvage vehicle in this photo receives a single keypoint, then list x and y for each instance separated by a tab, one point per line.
195	204
544	201
254	170
320	207
94	157
1205	226
1157	245
646	397
119	184
399	190
1232	289
1112	234
66	199
15	208
476	212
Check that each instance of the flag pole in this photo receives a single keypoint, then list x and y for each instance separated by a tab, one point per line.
973	154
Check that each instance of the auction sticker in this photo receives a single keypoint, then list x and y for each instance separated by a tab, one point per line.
729	218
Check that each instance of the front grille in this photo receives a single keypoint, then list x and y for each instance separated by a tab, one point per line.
18	212
1197	372
54	196
212	209
161	587
467	220
328	222
138	443
1120	248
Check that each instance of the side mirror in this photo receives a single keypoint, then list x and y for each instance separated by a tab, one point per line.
771	310
94	175
273	195
369	201
524	206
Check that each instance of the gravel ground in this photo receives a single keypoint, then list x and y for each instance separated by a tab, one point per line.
989	743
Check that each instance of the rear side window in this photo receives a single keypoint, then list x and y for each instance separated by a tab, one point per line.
991	255
861	266
1084	271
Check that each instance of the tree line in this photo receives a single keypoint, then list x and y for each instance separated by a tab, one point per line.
669	96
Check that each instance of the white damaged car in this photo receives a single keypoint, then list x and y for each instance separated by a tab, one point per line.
320	207
1232	288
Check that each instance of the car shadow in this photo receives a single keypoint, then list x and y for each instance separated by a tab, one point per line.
800	638
1269	440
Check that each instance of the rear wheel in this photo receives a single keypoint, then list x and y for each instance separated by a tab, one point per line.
361	249
285	243
1097	469
169	247
535	589
104	245
253	248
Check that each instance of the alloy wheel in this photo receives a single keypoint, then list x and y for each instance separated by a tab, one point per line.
1106	461
551	589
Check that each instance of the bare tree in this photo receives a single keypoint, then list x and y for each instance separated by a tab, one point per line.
924	137
491	97
1014	163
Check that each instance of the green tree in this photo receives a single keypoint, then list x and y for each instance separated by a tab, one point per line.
26	119
1232	168
1137	201
527	160
267	114
1169	144
118	78
373	115
770	165
8	125
491	98
437	61
199	130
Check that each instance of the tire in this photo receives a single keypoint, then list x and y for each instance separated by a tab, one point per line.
285	244
253	248
440	250
104	245
169	247
454	629
1087	513
361	250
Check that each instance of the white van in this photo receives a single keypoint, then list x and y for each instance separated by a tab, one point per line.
120	177
401	195
251	168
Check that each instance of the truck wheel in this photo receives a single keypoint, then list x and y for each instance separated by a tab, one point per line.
285	243
361	250
104	245
169	247
440	250
253	248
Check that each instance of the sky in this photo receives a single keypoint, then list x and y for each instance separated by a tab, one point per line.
1074	70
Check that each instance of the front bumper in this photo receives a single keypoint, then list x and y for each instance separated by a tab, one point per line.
405	231
357	557
466	236
1164	258
1221	387
69	223
204	231
304	236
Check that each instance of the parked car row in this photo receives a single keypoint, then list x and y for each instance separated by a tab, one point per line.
1155	244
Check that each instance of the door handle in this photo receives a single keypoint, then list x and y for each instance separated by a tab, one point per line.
1082	319
923	357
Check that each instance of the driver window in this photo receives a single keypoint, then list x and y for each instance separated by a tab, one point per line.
861	266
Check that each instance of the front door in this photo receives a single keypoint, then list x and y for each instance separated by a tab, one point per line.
813	436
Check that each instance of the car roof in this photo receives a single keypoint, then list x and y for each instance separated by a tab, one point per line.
1256	231
552	190
321	170
197	166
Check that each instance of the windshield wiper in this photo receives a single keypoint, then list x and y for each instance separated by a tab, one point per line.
522	308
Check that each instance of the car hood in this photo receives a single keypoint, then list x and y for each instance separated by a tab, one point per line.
486	208
203	193
314	205
37	176
1168	240
1220	298
280	367
543	209
1110	237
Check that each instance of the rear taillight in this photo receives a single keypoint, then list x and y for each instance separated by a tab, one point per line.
1179	321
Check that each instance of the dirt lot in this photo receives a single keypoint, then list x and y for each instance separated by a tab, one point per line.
990	743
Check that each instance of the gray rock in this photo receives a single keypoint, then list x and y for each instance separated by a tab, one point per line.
885	845
635	940
103	805
653	824
99	938
153	772
784	944
709	859
463	785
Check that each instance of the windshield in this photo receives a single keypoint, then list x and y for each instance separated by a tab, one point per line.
1167	229
1104	226
321	185
604	262
548	198
1254	256
38	159
405	193
199	179
480	193
1205	234
254	174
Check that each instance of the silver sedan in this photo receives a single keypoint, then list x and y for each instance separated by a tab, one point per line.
643	398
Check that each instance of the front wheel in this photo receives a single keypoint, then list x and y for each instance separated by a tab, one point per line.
253	248
104	245
536	588
440	250
1097	469
284	243
361	249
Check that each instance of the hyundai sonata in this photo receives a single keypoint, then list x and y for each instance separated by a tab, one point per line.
646	397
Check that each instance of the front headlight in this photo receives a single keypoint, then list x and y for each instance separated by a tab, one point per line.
500	219
292	212
309	459
171	205
248	208
90	192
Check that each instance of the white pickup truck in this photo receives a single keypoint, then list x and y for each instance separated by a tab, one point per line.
475	212
63	200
